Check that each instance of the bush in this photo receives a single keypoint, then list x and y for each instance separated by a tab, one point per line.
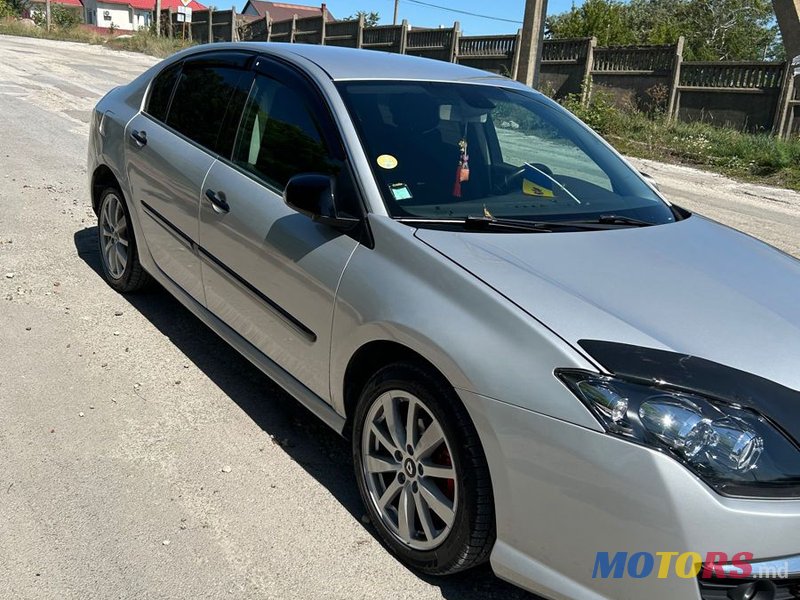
63	17
600	113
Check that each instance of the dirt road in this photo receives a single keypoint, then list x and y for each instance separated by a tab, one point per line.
142	458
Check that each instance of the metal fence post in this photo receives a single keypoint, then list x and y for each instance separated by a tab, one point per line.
674	93
294	29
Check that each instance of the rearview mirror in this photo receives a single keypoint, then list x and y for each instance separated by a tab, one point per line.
313	195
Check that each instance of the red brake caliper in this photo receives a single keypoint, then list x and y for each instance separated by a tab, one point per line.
448	486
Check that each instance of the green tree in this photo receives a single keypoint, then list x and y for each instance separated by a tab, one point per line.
13	8
371	19
607	20
64	17
713	29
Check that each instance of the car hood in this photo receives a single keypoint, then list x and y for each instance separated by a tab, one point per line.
693	287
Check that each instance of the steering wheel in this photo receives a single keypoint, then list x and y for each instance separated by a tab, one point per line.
513	181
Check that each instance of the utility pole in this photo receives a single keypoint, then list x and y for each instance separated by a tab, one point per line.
47	14
530	57
396	7
158	18
788	15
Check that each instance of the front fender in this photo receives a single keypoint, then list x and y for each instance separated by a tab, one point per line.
405	292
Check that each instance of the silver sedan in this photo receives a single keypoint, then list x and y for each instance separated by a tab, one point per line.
539	359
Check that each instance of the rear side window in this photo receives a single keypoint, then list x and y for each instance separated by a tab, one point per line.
201	101
161	92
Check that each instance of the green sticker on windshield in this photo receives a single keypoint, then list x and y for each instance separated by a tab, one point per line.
400	191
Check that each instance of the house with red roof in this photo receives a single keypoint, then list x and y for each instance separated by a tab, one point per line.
281	11
129	15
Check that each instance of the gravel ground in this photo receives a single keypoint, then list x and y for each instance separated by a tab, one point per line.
143	458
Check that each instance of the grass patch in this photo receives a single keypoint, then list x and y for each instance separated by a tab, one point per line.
146	43
139	41
756	157
73	34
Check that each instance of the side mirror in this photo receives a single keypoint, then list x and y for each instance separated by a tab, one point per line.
313	195
650	179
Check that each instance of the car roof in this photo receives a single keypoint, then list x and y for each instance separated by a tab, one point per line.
350	63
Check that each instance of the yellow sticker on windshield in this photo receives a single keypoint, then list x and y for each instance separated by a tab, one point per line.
387	161
531	189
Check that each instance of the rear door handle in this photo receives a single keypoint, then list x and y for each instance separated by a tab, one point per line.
139	138
218	201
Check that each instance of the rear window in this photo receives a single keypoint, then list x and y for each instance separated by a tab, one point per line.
161	92
201	100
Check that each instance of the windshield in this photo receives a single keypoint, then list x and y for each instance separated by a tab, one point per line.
454	150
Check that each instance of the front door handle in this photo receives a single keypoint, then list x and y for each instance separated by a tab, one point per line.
139	138
218	201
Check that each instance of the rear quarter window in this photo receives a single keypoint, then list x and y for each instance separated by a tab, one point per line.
161	92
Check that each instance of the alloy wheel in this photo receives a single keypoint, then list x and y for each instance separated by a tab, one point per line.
408	469
114	240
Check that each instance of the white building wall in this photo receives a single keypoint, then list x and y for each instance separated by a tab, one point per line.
118	14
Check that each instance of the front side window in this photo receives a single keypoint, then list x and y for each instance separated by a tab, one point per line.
453	151
279	136
203	96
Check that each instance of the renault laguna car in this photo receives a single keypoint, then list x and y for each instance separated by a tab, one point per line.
539	359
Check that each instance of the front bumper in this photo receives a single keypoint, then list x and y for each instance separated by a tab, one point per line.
563	493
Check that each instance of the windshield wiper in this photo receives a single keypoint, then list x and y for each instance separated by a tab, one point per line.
617	220
482	223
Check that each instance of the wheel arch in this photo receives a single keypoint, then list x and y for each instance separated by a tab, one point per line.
102	178
367	360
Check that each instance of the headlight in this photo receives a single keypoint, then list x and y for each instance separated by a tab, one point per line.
734	449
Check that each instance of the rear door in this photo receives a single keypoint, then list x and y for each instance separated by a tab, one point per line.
171	147
269	272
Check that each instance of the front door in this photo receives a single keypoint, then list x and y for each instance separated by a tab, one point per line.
269	272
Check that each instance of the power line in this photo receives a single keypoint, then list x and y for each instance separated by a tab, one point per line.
463	12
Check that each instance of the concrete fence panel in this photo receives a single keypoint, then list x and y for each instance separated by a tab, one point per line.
309	30
741	95
432	43
638	77
495	53
389	38
564	66
343	33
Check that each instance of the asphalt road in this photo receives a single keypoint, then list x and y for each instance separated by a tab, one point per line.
141	457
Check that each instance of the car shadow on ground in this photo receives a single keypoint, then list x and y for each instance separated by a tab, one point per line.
306	439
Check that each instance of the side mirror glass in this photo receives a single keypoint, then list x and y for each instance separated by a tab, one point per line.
313	195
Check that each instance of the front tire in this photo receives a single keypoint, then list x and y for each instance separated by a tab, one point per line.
118	251
421	471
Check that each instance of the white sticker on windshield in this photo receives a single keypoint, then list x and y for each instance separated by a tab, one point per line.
400	191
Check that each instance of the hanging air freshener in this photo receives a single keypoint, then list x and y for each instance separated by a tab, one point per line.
462	171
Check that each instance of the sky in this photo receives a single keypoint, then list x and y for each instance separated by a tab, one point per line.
429	16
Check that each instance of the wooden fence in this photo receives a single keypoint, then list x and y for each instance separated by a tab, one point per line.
206	25
753	96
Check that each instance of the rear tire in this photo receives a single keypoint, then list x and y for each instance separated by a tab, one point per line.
428	494
118	251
